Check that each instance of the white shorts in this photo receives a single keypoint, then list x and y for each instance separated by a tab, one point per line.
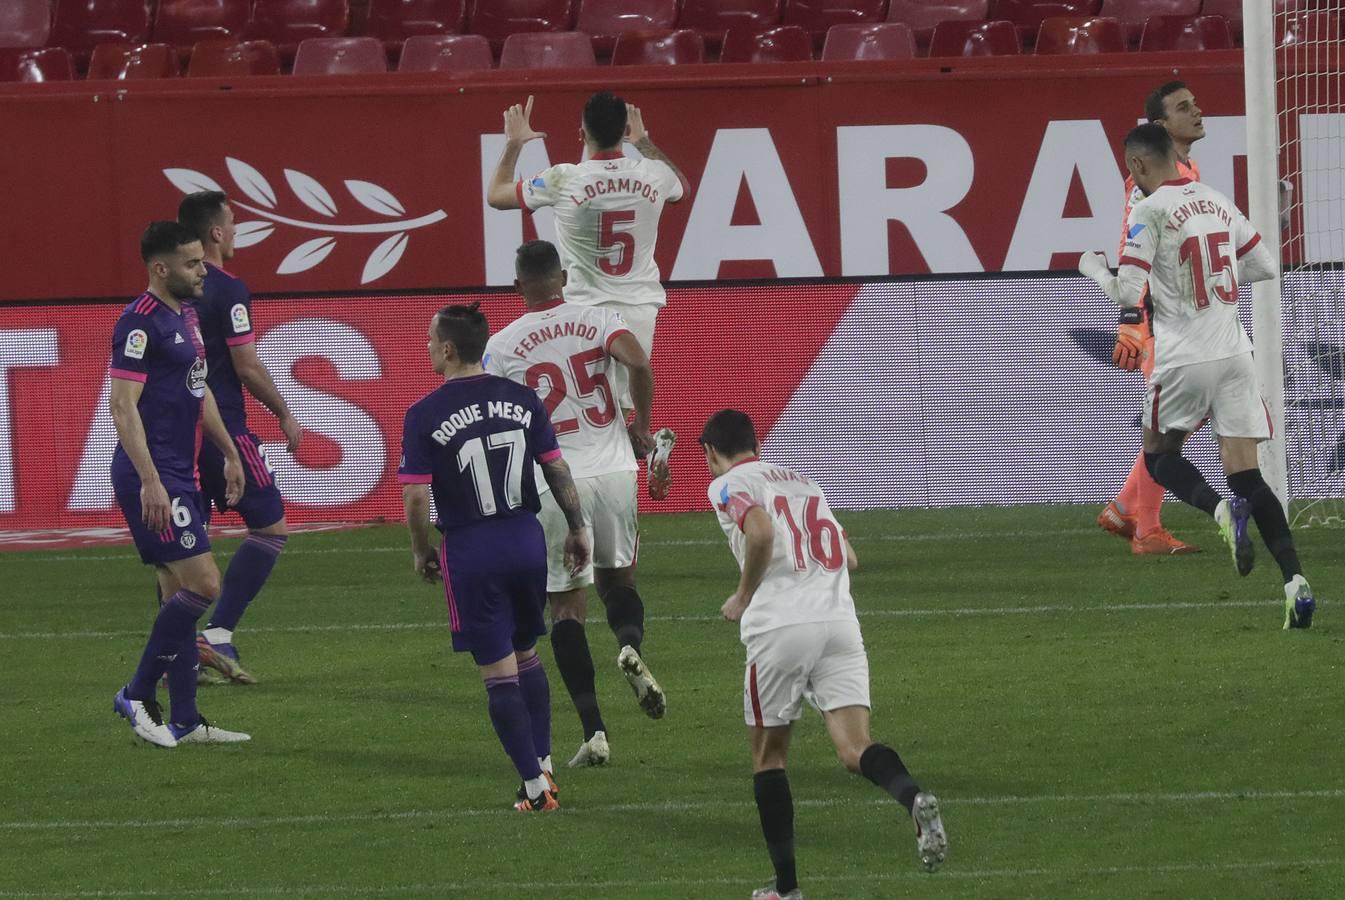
1223	390
609	503
821	661
640	319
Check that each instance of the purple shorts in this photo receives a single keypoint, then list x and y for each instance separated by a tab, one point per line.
261	505
495	585
185	535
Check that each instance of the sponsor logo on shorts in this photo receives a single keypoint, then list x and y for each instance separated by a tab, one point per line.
188	540
196	378
239	316
136	342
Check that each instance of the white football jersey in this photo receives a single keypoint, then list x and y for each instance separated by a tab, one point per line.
807	579
607	211
561	351
1192	243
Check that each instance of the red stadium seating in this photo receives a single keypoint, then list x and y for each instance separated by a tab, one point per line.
1071	35
446	53
923	15
393	21
886	40
607	19
125	62
80	25
788	43
652	48
1029	14
817	17
1306	28
1231	10
184	22
1186	33
975	39
287	22
233	59
24	23
1134	13
547	51
712	18
28	65
340	56
497	19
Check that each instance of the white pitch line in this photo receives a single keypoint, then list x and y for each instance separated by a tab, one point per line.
671	806
932	612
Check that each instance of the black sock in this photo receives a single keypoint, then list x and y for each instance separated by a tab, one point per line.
776	807
570	645
625	615
881	765
1270	520
1176	473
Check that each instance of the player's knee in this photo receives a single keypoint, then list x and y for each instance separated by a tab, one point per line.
850	754
279	529
568	606
1247	483
1151	464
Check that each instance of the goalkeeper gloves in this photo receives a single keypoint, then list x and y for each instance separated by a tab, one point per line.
1094	265
1131	336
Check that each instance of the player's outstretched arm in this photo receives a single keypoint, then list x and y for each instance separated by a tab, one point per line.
416	503
501	193
760	534
626	350
213	425
259	383
154	503
638	135
563	490
1256	264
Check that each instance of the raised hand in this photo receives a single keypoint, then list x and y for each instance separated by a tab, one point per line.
517	124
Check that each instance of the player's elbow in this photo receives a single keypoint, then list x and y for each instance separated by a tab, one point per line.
502	197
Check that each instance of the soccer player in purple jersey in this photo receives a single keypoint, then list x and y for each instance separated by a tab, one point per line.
231	353
473	444
161	404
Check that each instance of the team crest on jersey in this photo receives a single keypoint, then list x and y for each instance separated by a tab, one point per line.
188	540
196	378
136	342
239	315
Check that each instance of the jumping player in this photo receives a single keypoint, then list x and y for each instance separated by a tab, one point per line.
798	622
473	442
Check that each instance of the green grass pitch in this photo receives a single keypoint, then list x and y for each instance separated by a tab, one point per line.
1097	725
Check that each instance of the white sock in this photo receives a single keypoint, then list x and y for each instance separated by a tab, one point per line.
545	763
535	786
219	635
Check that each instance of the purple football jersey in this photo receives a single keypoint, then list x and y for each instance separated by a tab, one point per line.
474	441
225	311
162	350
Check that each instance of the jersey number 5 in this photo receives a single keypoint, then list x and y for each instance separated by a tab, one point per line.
823	535
586	384
612	241
1216	246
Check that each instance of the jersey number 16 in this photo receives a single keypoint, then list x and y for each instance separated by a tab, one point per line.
823	536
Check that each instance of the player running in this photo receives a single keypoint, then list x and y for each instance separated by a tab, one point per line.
226	325
1134	514
566	352
161	403
473	442
1191	246
798	622
607	213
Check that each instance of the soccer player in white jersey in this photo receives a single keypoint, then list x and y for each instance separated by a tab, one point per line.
798	622
1191	247
607	210
566	352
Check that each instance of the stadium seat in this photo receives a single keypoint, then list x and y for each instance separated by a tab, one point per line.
393	21
184	22
1065	35
81	25
817	17
1306	28
24	23
286	23
1134	13
497	19
923	15
1231	10
127	62
233	59
31	66
340	56
1029	14
547	51
787	43
635	48
446	53
608	19
886	40
1186	33
975	39
712	18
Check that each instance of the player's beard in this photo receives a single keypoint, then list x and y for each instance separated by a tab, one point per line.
185	291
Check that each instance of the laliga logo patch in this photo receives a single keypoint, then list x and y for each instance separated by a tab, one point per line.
239	315
136	342
188	540
196	378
